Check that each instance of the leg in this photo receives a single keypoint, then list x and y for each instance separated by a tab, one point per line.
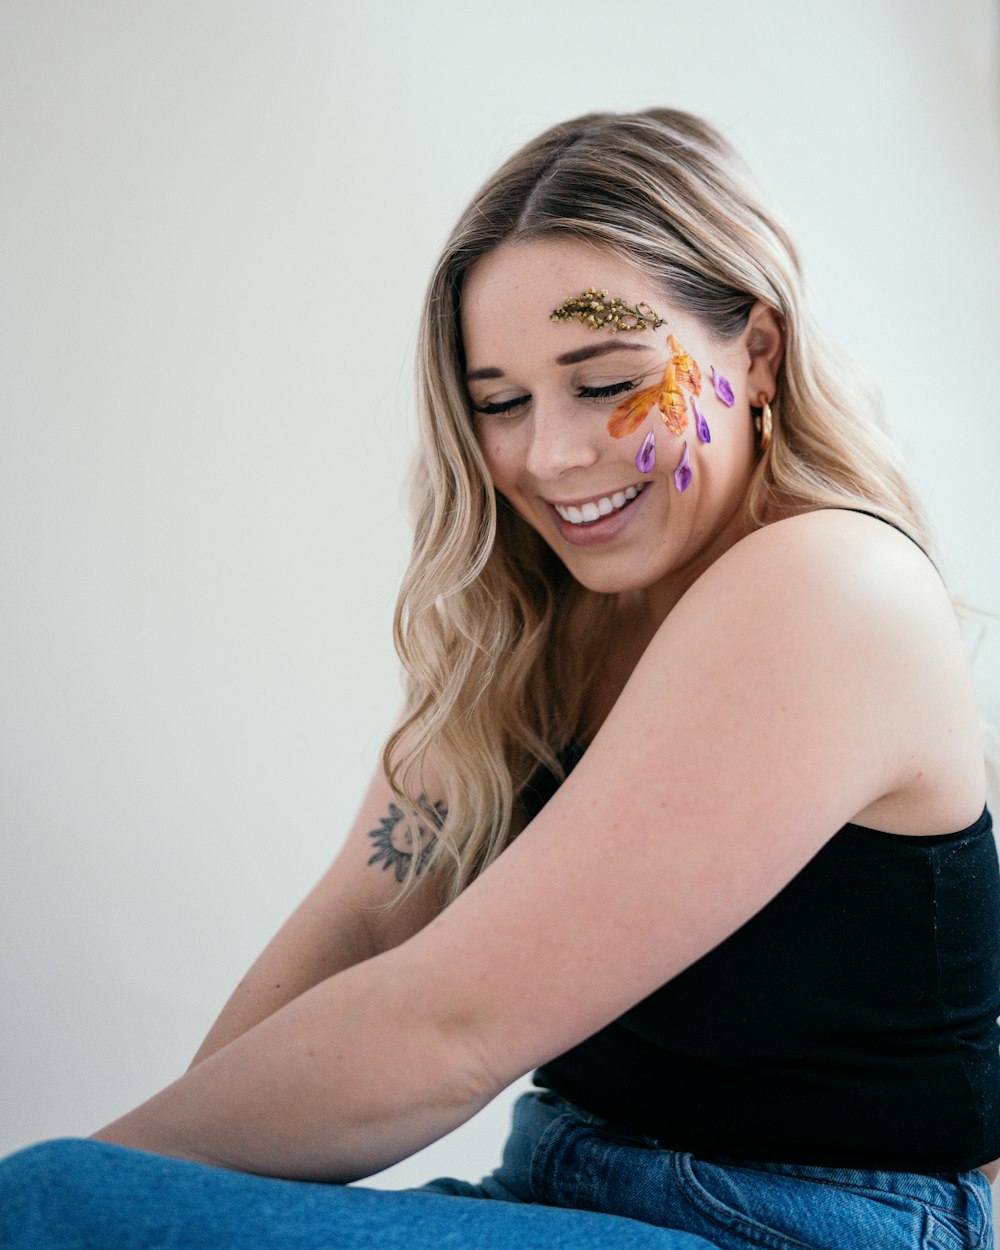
84	1195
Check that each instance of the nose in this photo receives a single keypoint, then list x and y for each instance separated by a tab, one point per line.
562	438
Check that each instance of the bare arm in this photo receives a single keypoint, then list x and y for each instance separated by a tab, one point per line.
339	923
741	743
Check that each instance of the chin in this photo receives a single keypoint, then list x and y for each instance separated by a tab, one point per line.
613	581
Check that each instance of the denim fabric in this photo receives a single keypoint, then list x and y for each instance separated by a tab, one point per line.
563	1156
76	1194
567	1181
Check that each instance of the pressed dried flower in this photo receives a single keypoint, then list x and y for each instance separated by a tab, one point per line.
671	403
631	412
722	388
688	373
646	457
682	474
615	314
700	424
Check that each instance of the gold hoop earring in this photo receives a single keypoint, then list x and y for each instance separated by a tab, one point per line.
764	425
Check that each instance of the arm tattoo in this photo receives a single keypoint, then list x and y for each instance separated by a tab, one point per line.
395	840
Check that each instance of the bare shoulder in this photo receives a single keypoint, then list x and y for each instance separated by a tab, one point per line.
829	574
834	556
787	693
852	612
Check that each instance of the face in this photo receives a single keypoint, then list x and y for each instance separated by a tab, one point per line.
543	392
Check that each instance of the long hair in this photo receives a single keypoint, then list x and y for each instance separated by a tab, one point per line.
485	604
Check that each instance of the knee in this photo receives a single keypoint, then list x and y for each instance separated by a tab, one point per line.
39	1191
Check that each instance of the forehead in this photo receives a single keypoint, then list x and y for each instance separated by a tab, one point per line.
508	295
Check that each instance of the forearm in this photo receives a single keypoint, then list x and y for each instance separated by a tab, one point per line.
343	921
352	1076
303	954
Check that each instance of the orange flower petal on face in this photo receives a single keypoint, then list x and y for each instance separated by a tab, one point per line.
688	373
671	402
631	413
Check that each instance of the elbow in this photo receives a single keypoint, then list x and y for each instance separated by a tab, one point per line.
477	1080
478	1061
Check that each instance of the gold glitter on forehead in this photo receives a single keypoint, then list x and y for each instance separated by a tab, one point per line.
594	310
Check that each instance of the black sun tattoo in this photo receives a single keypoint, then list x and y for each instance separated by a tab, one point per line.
394	840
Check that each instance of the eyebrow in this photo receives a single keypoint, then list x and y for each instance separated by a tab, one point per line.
567	358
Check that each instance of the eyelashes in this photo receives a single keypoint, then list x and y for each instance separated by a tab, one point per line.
585	392
606	392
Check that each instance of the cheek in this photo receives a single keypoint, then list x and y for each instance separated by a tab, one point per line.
502	459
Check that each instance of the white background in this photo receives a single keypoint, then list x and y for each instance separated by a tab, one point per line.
216	222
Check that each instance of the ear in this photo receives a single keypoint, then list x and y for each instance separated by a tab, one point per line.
764	341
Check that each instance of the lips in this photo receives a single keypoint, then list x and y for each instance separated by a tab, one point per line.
608	526
598	506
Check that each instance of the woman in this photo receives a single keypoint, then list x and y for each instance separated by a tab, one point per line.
749	944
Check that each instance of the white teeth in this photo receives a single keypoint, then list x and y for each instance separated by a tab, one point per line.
595	509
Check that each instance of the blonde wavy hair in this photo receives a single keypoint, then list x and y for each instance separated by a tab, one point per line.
485	603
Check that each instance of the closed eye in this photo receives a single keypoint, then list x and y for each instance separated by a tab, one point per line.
606	392
585	392
492	410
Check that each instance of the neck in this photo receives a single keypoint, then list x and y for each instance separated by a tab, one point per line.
653	604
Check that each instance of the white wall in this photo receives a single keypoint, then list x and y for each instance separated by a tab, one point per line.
215	226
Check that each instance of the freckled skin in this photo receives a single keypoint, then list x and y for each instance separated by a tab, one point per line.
556	446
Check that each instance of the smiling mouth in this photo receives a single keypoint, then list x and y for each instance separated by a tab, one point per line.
598	509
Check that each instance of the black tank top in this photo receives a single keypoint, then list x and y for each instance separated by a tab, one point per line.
852	1022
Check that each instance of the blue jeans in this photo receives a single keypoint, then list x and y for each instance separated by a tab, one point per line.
568	1181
